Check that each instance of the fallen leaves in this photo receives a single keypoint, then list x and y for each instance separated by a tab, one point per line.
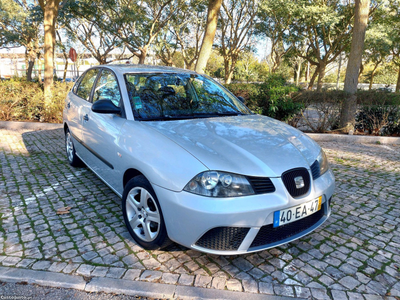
63	210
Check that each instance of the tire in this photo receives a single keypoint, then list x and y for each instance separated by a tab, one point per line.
72	158
143	216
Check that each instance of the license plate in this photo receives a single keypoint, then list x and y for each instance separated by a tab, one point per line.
285	216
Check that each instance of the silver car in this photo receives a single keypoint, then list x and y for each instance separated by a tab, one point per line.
192	163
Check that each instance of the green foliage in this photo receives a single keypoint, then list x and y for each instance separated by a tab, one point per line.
249	69
386	74
21	100
271	98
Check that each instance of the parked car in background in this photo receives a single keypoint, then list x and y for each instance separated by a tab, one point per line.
192	163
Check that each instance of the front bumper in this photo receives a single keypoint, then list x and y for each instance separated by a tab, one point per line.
188	217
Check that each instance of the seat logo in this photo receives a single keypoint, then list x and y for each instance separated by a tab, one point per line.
299	181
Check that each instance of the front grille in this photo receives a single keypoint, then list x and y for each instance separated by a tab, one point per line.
315	171
261	185
268	234
223	238
288	179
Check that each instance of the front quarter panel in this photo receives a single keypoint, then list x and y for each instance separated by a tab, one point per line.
160	160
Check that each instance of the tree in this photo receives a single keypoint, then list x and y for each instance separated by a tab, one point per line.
184	35
236	25
189	31
322	25
377	47
136	24
273	21
214	7
80	20
20	26
166	48
361	13
325	25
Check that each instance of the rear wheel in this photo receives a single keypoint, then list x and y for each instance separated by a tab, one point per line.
73	159
142	214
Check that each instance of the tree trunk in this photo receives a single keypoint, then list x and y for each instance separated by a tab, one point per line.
26	64
50	10
347	117
360	72
208	39
371	80
398	82
39	72
65	69
142	56
228	79
298	73
189	66
226	69
308	72
311	84
321	75
31	63
338	72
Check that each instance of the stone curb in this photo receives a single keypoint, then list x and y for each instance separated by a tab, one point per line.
319	137
12	125
126	287
42	278
354	139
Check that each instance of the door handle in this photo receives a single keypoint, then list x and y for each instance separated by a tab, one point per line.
86	117
69	105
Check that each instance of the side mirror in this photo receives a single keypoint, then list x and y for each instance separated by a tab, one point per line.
105	107
241	99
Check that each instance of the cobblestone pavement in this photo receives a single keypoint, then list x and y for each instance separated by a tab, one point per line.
354	255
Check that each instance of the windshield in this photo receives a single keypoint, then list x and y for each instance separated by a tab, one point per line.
168	96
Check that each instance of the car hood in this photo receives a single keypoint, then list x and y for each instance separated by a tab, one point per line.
251	145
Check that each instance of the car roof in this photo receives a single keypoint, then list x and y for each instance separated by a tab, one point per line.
132	68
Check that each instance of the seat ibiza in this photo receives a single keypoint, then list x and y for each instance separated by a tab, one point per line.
192	163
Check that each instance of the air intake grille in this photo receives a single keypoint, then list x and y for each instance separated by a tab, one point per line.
288	179
223	238
261	185
315	170
268	234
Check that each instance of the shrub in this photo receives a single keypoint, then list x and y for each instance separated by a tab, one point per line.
21	100
321	109
271	98
379	113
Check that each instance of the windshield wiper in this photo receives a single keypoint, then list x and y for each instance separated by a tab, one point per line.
192	116
218	114
167	118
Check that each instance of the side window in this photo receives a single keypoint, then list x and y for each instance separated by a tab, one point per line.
107	88
86	84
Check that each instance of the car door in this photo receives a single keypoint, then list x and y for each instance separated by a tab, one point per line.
101	131
78	104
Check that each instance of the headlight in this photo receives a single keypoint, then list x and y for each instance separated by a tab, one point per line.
219	184
323	162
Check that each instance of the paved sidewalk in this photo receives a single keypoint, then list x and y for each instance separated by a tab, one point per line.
354	255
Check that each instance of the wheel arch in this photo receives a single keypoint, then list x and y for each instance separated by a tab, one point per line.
129	174
65	128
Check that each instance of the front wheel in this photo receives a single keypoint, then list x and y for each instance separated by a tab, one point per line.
143	216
